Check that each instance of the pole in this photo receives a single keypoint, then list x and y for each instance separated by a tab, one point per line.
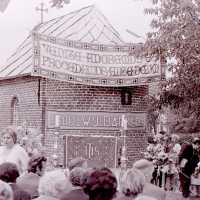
41	9
123	156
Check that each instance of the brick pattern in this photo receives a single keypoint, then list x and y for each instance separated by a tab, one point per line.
38	95
74	97
26	90
68	97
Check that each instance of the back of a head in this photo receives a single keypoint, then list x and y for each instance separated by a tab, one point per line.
146	167
76	162
76	176
142	164
8	172
5	191
101	184
53	183
132	182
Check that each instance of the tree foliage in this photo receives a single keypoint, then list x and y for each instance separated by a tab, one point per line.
176	35
59	3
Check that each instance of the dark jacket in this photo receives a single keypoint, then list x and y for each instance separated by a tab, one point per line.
191	155
18	193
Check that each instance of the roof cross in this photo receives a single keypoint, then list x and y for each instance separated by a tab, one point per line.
41	9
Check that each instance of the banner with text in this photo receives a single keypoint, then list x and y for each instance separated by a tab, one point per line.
92	64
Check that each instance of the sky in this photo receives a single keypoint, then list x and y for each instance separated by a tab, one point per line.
17	21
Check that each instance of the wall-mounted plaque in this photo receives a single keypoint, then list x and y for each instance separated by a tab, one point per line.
95	120
98	150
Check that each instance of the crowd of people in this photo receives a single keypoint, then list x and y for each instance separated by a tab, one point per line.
166	163
176	163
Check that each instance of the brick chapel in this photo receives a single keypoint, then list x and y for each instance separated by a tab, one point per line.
82	111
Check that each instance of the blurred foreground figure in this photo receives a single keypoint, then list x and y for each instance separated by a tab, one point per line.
29	181
76	177
12	152
9	174
132	185
5	191
52	185
147	168
77	162
188	161
101	184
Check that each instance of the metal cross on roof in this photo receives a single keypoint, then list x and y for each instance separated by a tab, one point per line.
41	9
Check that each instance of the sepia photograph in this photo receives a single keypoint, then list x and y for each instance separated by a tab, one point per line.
100	99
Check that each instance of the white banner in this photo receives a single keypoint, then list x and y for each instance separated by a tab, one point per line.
92	64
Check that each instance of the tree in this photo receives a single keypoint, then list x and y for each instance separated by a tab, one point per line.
59	3
176	35
153	112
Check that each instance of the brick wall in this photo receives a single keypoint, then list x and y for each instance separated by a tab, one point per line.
38	95
26	90
69	97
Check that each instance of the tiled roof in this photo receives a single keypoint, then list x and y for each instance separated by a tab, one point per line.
85	25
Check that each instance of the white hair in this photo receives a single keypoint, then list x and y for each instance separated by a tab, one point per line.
54	183
132	182
146	167
5	191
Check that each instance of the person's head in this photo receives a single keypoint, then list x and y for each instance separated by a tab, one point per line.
132	182
146	167
54	184
76	176
8	172
6	192
77	162
196	143
101	184
9	137
175	138
37	165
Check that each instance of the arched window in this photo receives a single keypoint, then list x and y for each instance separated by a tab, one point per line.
14	111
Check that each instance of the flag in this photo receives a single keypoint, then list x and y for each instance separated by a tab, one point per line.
4	5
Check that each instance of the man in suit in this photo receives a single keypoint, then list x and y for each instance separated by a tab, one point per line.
188	160
147	168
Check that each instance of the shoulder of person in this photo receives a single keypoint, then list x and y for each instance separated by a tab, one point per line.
20	150
144	197
25	195
154	191
17	147
19	193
